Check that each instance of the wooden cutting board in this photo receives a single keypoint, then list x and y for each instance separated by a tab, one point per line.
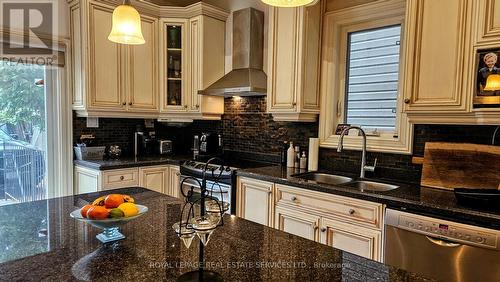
461	165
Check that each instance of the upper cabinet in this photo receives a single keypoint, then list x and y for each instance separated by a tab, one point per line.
441	63
183	53
294	62
437	52
487	21
192	59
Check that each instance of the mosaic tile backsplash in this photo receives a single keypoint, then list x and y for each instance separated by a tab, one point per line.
246	127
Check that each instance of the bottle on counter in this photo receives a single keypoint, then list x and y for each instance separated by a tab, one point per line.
290	155
283	153
303	160
296	163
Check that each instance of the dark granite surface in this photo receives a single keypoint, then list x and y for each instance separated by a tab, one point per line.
438	203
126	162
40	242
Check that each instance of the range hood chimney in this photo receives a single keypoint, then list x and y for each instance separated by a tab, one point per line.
247	77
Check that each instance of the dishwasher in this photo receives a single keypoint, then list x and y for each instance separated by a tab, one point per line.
440	249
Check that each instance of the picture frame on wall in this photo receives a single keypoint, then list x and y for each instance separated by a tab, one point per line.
487	63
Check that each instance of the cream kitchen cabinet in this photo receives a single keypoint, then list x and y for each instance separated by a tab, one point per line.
297	223
110	79
437	59
487	21
254	201
193	58
155	178
161	178
358	240
345	223
294	62
174	189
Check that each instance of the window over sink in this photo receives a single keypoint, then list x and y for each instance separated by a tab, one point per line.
362	76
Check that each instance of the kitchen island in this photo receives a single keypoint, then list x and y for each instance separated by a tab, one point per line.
40	241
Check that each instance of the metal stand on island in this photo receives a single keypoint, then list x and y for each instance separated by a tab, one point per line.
210	216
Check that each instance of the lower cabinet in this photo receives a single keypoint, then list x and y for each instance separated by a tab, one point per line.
345	223
297	223
163	179
155	178
255	201
354	239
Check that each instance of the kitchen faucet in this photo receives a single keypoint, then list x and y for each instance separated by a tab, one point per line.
340	147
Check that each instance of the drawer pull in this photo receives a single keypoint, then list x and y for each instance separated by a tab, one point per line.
351	211
294	199
178	173
122	177
323	229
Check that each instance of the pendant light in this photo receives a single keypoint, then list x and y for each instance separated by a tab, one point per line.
492	83
289	3
126	25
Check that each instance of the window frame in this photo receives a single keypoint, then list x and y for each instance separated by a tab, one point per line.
338	25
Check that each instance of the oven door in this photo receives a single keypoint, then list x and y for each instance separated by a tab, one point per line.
219	191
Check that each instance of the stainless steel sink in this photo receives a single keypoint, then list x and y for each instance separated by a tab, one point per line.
324	178
365	185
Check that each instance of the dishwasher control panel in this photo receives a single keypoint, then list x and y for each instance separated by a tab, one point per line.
443	229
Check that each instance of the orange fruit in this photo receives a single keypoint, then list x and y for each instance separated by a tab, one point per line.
84	210
113	201
97	212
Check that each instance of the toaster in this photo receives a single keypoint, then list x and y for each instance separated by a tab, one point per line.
165	147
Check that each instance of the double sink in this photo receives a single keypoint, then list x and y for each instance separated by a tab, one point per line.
332	179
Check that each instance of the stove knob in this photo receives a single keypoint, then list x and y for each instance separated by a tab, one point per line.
480	239
228	169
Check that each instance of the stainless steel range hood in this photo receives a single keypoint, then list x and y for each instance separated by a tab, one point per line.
247	77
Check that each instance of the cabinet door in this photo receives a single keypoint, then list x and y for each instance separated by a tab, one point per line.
174	70
283	41
436	58
143	90
154	178
105	62
297	223
175	179
85	180
487	18
254	201
361	241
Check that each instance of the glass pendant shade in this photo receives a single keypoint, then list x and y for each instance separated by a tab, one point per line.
289	3
492	83
126	26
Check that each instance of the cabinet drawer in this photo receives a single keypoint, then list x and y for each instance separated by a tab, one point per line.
120	178
344	208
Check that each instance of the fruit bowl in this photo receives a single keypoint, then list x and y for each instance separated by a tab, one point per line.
111	232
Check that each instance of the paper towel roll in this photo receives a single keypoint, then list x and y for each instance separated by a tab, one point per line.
312	164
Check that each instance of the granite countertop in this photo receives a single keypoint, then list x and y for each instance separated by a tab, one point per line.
39	241
410	197
126	162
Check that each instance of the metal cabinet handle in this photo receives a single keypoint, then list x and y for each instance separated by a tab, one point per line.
351	211
294	199
124	103
323	229
294	104
130	103
122	177
178	173
185	106
407	100
197	106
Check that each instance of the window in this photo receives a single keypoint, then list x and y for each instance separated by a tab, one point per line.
372	78
362	74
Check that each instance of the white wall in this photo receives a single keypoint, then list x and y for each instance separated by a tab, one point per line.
234	5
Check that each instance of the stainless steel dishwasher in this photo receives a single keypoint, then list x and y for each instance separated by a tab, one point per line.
440	249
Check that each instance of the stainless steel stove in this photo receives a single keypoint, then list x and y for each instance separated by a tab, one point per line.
225	188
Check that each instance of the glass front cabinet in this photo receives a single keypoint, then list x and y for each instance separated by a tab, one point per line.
174	70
